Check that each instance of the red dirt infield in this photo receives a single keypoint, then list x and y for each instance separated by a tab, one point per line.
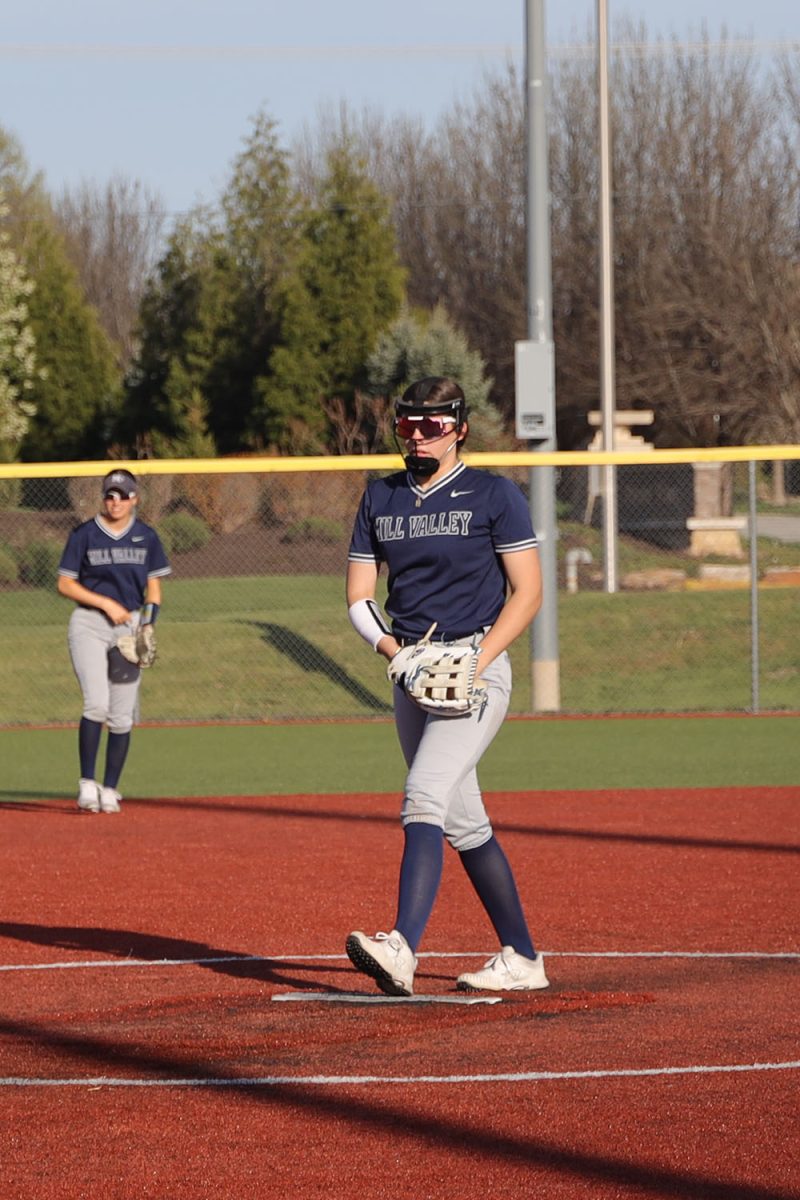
143	1054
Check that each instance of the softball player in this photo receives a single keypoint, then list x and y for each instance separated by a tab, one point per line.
112	565
460	550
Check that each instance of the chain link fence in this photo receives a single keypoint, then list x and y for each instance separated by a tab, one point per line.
254	624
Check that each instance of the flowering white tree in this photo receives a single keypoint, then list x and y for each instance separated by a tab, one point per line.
17	348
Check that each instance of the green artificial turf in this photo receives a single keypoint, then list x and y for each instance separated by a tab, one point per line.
363	757
279	647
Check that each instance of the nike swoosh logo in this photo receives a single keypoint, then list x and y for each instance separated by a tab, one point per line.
454	493
137	539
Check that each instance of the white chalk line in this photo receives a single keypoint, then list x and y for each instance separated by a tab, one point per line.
360	998
94	964
97	1081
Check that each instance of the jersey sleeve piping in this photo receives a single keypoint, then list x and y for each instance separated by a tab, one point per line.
513	547
161	571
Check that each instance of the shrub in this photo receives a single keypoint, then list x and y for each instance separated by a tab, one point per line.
38	562
10	493
181	532
315	529
225	502
9	571
297	495
84	495
155	495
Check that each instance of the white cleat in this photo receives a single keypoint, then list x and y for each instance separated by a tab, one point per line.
88	796
109	800
386	958
506	972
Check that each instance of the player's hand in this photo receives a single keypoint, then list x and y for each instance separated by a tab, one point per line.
117	613
400	662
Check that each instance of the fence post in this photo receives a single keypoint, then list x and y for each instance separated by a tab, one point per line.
754	661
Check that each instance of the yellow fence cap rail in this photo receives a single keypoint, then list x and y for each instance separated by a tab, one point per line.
269	464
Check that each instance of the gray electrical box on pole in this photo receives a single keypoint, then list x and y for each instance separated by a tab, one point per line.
535	375
535	367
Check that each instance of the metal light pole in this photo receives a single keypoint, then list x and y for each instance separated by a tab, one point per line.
607	377
535	365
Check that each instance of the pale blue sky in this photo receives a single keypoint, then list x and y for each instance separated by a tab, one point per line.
162	90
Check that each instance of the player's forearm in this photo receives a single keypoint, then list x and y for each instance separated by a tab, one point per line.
524	601
73	590
362	581
515	618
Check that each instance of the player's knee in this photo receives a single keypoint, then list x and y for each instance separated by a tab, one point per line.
468	839
118	724
96	711
420	804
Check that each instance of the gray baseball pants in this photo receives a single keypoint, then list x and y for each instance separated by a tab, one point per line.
442	754
109	683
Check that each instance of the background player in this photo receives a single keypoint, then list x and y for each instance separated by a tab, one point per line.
460	551
111	566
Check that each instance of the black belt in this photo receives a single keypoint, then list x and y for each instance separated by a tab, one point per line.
443	637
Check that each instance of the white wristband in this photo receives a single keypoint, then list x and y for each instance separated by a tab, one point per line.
368	621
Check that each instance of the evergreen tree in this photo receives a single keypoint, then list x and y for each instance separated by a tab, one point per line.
77	393
209	319
165	407
349	285
421	344
288	410
255	316
76	387
250	289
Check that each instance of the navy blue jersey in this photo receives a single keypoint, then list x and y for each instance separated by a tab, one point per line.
441	547
117	565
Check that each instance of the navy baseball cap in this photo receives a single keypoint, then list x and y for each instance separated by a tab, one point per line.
121	482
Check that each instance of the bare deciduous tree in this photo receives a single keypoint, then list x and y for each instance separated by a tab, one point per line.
362	427
706	212
725	239
706	193
113	236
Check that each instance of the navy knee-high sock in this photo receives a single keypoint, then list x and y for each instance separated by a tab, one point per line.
420	875
116	753
88	745
491	876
